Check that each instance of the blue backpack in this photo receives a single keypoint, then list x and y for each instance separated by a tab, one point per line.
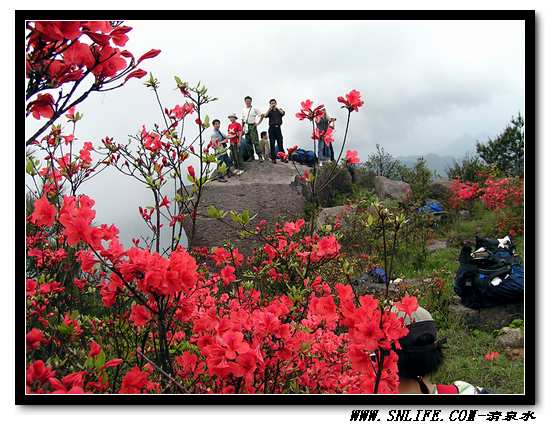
304	157
490	275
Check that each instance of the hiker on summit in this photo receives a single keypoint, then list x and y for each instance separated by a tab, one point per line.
250	128
220	143
325	151
275	116
234	133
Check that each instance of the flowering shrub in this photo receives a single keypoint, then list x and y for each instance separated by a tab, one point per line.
105	318
504	196
61	54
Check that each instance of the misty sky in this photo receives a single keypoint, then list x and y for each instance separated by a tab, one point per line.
429	87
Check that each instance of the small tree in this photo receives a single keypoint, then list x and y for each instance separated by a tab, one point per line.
419	177
469	169
384	164
506	151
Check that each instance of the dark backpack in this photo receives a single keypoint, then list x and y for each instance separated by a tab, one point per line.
304	157
499	265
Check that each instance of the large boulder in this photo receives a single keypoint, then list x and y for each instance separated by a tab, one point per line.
441	189
392	189
265	189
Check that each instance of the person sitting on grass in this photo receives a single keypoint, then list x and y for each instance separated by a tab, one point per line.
421	355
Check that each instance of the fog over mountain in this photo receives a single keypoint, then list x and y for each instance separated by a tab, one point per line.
436	163
429	87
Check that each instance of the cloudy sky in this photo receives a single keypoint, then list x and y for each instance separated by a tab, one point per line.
429	87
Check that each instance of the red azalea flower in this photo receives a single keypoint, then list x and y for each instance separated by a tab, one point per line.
407	305
42	106
95	349
493	355
150	54
352	158
138	73
113	363
191	171
352	101
79	54
35	337
118	35
228	274
44	212
134	382
140	315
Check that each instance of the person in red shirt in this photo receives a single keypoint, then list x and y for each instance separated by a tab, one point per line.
234	133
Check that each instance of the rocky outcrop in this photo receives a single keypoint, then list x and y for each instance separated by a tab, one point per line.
489	318
392	189
510	338
265	189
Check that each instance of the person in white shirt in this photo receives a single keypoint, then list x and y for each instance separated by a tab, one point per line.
250	129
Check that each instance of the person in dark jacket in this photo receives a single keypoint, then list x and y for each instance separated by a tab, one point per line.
275	116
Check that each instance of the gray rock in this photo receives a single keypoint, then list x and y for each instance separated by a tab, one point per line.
514	353
265	189
490	318
510	338
436	245
442	184
464	213
329	215
392	189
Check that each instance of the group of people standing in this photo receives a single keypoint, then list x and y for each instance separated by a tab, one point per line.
241	140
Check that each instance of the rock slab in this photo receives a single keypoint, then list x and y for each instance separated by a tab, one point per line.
392	189
490	318
265	189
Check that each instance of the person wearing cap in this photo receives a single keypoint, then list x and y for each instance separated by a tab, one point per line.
219	142
234	133
250	127
421	355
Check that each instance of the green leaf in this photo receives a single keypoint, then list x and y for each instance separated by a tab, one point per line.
99	360
213	212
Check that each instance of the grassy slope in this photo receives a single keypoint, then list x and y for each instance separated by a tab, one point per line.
466	348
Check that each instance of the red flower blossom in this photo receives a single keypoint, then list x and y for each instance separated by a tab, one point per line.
44	212
407	305
42	106
138	73
493	355
95	349
134	382
352	158
150	54
352	101
79	54
191	172
306	111
228	274
113	363
35	337
140	315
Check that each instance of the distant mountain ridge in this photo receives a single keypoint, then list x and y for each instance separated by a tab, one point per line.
436	163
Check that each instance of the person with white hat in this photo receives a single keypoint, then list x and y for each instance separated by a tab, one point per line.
421	355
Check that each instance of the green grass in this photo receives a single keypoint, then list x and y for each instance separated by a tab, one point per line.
464	361
466	348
